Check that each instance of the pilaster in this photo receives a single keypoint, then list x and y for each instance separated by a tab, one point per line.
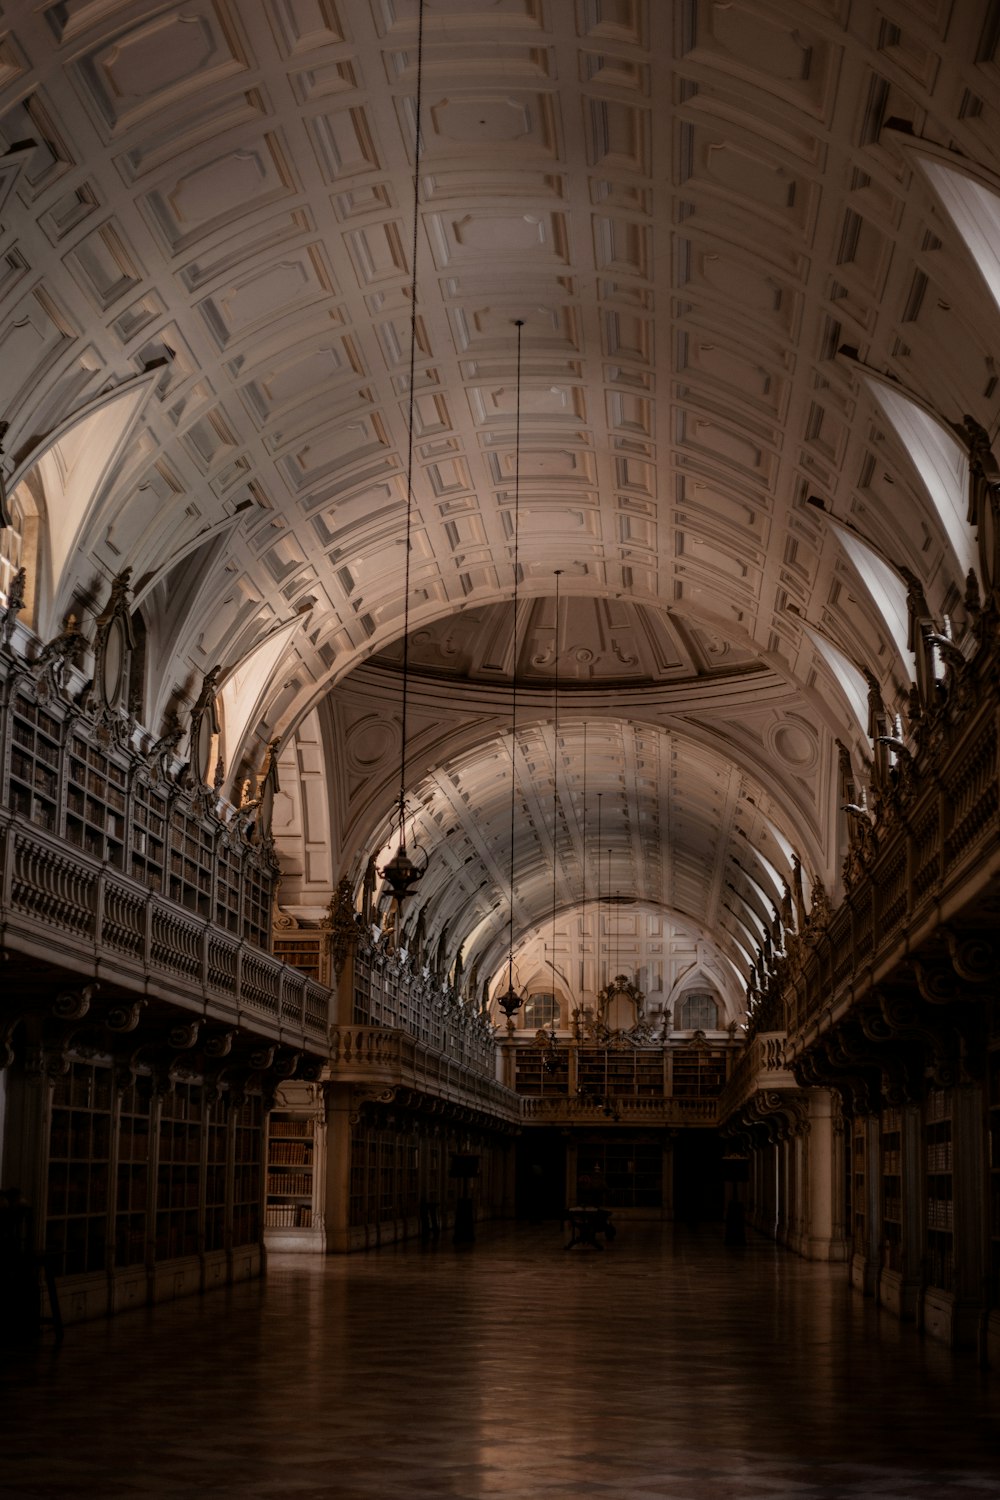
823	1238
337	1175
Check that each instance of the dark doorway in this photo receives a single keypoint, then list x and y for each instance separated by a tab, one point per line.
698	1177
541	1176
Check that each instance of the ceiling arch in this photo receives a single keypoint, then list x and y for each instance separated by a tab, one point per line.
631	809
717	226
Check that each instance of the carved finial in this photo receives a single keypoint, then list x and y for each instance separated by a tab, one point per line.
343	926
16	595
162	753
59	654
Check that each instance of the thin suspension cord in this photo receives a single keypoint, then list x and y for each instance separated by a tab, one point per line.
513	664
583	858
599	933
607	892
555	772
410	422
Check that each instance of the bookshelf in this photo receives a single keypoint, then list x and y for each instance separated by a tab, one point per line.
79	1164
102	795
178	1178
216	1174
533	1079
938	1162
257	902
293	1217
96	802
890	1151
227	888
698	1072
305	951
133	1197
993	1147
385	1178
191	849
622	1174
149	834
290	1164
33	765
247	1132
631	1074
858	1174
364	1155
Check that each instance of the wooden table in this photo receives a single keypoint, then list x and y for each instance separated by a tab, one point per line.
587	1223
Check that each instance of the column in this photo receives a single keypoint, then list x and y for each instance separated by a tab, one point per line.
823	1238
668	1174
782	1207
337	1176
969	1216
912	1185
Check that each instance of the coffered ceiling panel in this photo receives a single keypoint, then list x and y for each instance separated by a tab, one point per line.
693	209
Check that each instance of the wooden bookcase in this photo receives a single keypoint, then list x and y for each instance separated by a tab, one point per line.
108	801
133	1195
178	1176
149	834
698	1072
625	1174
216	1174
190	883
96	802
939	1202
993	1147
256	904
247	1184
33	763
149	1188
533	1079
858	1175
293	1187
227	889
79	1166
890	1142
303	950
625	1074
290	1167
364	1155
385	1177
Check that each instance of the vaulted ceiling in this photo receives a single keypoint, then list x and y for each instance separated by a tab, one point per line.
710	220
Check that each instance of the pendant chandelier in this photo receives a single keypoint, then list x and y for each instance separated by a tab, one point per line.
510	1002
401	873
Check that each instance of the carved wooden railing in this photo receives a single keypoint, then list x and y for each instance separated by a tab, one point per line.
390	992
381	1058
761	1065
934	855
916	878
61	904
622	1109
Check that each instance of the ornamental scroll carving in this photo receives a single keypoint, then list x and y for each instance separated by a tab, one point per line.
343	926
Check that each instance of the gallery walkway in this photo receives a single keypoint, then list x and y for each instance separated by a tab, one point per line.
665	1366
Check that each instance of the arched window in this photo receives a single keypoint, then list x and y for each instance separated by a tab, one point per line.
11	550
540	1009
941	462
974	209
845	672
886	588
19	549
698	1010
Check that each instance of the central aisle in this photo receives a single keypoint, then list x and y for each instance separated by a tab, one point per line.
665	1366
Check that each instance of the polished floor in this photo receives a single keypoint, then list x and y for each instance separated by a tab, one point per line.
667	1366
